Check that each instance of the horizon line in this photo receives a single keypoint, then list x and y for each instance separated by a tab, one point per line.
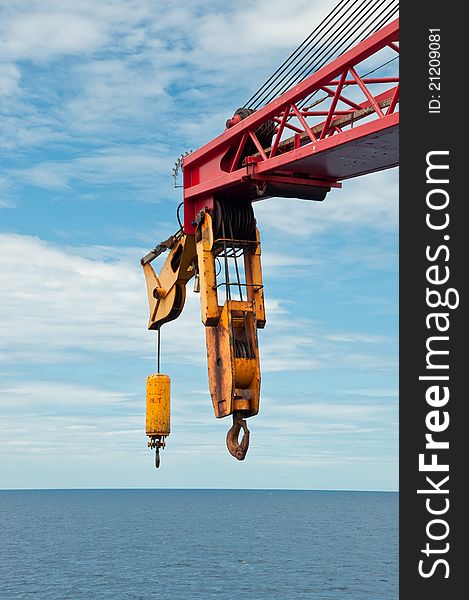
58	489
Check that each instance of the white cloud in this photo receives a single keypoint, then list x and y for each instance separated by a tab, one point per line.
57	302
274	260
56	28
5	191
10	76
110	93
52	300
130	54
370	201
42	396
45	176
47	417
130	165
353	338
42	35
259	27
348	413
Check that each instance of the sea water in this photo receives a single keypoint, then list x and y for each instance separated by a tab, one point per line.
198	544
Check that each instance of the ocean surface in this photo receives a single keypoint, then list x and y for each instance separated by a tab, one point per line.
198	544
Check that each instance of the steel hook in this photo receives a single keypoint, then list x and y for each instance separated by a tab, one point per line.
157	442
236	448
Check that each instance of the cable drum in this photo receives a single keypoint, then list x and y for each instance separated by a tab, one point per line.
234	220
264	133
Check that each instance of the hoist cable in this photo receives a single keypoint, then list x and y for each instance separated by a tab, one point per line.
341	30
375	26
347	31
350	39
320	27
158	349
352	36
391	11
320	30
310	97
343	39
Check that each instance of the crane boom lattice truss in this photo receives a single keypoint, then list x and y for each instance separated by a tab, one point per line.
351	138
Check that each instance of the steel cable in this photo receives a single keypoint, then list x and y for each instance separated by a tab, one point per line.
320	30
322	52
366	18
359	33
389	13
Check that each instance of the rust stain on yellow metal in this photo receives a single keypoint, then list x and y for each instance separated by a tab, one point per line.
158	405
167	291
208	280
255	289
234	382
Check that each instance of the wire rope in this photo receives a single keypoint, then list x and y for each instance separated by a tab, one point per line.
348	23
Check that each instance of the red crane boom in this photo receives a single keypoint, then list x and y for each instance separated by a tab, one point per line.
318	155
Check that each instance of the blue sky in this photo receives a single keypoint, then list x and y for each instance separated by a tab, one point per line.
97	101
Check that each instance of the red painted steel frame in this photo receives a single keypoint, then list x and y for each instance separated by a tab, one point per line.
309	152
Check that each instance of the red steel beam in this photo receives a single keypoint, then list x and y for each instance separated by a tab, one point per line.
368	80
345	137
334	104
205	171
283	159
352	57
